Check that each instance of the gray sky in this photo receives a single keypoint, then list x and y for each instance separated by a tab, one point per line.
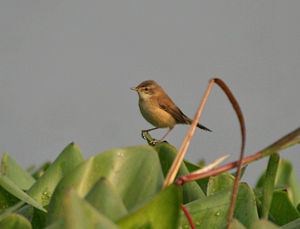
66	68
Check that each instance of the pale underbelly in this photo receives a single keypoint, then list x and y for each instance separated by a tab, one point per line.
157	116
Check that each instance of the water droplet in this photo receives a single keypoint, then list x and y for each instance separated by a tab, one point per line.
120	154
45	195
218	213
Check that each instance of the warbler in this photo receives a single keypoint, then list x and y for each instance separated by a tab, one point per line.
159	109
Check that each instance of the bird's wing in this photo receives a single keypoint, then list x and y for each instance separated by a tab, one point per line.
169	106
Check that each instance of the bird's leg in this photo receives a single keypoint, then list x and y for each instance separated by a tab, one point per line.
146	131
171	128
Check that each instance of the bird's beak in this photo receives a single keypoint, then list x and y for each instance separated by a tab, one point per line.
134	88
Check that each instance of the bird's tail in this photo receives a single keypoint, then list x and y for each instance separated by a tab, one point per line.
189	121
203	127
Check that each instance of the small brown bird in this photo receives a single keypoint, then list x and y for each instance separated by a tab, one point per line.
158	108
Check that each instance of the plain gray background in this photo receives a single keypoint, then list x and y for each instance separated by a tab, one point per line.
66	68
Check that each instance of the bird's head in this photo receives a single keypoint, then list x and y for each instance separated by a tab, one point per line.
147	89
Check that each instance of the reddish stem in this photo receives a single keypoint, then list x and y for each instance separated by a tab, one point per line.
191	177
284	142
187	214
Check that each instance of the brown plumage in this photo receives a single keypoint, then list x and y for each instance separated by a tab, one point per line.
159	109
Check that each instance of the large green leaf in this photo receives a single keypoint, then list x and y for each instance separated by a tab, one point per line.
14	221
162	211
212	211
105	198
245	208
80	214
167	154
11	169
69	158
134	171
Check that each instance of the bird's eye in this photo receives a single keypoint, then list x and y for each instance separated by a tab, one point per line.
146	89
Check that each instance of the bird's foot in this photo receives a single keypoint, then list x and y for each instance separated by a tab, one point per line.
143	134
153	142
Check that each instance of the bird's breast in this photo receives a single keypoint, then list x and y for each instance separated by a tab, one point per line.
153	113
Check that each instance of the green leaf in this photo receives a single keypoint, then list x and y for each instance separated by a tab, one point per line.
167	154
134	171
80	214
245	208
223	181
11	169
14	221
104	197
264	224
42	190
212	211
162	211
268	186
282	209
209	212
13	189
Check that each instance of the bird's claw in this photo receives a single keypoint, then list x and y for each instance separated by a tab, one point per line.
153	142
142	134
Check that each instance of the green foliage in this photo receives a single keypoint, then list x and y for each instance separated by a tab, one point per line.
191	190
14	221
161	212
122	188
16	173
268	186
106	199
